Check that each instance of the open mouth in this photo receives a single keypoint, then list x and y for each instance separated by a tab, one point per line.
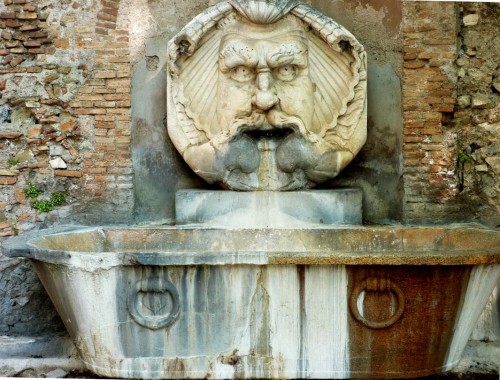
269	132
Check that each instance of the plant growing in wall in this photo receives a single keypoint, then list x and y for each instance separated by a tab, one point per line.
462	158
32	191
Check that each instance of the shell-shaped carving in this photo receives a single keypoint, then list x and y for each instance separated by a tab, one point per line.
264	11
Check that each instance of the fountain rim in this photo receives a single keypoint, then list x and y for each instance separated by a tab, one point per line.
26	246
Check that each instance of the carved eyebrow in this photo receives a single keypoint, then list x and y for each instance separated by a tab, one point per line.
291	53
237	54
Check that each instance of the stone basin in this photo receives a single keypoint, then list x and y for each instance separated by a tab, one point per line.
322	302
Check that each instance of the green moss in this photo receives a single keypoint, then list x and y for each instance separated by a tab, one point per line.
13	161
58	198
32	191
43	206
463	157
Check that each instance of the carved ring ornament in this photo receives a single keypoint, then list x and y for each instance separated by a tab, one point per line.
156	292
376	284
266	95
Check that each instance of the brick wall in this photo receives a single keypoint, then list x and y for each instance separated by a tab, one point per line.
429	97
104	102
64	111
451	112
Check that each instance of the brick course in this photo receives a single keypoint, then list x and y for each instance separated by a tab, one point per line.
429	97
67	109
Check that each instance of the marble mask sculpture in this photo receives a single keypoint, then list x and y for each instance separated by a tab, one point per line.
266	95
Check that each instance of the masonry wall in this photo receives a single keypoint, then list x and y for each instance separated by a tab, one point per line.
451	112
64	135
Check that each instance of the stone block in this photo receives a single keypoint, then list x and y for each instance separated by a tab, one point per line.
269	209
471	20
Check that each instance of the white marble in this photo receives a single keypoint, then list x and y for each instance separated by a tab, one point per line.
266	95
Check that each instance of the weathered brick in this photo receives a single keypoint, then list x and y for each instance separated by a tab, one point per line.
20	36
61	43
6	35
123	97
414	65
12	24
104	125
18	50
439	42
105	104
68	173
32	44
8	15
27	16
8	180
28	27
106	17
91	170
119	83
104	74
90	111
38	34
16	61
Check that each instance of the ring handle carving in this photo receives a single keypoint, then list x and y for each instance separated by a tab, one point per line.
376	284
160	319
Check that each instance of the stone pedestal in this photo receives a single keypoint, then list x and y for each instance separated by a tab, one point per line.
269	209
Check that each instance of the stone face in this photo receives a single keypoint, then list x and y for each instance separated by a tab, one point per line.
262	102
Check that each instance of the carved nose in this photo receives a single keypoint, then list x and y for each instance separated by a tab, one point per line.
264	97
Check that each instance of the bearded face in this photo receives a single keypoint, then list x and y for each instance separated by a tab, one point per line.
259	118
264	99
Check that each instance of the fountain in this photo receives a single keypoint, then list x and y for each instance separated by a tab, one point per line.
266	97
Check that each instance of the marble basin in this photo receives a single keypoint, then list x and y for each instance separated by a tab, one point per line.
322	302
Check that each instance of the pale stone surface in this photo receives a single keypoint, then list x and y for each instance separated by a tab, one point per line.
56	150
266	95
471	20
494	162
463	101
58	163
58	373
480	101
481	168
269	209
229	284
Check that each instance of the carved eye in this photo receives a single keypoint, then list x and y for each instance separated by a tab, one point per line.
242	74
286	73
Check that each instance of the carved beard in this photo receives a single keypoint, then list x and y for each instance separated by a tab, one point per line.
273	151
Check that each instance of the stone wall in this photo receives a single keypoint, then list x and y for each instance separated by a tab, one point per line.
450	97
477	115
429	96
64	135
451	120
